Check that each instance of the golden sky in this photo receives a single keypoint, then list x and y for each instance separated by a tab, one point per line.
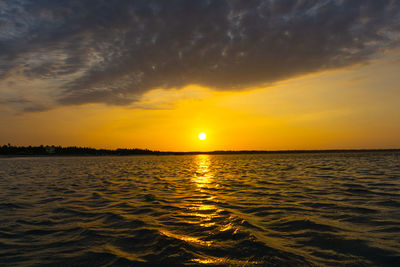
353	107
252	75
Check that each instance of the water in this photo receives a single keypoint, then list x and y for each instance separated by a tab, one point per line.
299	209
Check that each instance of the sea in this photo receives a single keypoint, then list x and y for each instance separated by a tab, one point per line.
304	209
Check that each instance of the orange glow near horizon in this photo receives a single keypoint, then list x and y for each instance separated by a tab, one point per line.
329	110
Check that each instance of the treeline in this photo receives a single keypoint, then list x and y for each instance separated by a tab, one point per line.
9	150
69	151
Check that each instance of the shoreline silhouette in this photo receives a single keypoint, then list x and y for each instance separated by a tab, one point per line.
42	150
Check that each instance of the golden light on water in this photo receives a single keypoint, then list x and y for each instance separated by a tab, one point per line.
202	136
203	175
207	213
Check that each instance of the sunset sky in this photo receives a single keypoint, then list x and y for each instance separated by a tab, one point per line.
262	75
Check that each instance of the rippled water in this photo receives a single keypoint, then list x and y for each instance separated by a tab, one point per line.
287	209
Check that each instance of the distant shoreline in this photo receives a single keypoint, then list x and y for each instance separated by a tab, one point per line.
7	151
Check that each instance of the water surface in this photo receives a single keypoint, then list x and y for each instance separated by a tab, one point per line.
283	209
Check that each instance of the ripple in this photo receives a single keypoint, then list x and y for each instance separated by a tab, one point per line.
242	210
299	225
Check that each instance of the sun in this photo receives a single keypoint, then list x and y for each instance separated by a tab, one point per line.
202	136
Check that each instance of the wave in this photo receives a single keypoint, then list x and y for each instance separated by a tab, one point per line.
244	210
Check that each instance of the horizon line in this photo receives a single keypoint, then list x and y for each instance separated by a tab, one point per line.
127	151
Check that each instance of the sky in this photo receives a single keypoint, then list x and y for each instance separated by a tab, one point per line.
258	75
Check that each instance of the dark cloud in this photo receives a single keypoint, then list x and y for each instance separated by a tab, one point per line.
112	52
35	108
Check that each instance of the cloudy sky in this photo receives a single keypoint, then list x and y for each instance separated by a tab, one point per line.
271	74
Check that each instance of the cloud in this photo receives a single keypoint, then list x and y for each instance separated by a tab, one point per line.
113	52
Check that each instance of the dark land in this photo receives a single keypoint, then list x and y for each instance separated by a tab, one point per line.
12	151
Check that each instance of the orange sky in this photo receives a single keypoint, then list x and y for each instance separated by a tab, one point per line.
352	107
252	75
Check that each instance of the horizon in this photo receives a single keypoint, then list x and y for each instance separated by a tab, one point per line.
205	151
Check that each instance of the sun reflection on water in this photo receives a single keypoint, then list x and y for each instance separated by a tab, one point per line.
203	179
203	175
203	210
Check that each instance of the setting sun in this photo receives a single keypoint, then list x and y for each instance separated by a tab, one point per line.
202	136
